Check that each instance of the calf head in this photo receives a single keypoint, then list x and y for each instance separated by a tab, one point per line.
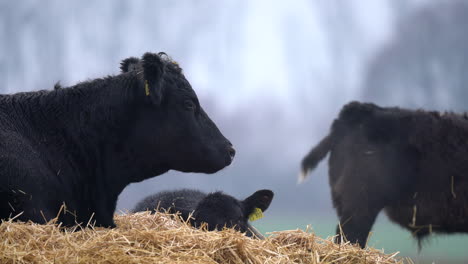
219	210
171	127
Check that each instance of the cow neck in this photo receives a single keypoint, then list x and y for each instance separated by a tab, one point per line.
89	118
114	109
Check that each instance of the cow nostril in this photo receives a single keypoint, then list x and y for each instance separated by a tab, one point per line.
232	152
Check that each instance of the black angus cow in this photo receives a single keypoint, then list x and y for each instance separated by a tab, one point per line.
216	209
413	164
80	146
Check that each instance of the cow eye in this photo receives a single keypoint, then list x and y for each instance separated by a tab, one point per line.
189	105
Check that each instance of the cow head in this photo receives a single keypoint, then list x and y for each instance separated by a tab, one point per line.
219	210
171	126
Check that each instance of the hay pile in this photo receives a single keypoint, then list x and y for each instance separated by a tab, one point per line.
161	238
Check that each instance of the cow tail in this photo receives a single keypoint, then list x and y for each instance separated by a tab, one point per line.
351	115
311	160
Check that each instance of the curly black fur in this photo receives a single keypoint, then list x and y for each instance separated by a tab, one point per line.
413	164
80	146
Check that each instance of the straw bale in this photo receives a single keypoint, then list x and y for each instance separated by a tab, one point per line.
164	238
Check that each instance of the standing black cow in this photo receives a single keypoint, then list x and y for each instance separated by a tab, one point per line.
413	164
80	146
216	209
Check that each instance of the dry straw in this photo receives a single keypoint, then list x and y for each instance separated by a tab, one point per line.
163	238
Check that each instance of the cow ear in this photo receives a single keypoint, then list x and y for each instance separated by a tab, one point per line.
153	70
257	203
129	64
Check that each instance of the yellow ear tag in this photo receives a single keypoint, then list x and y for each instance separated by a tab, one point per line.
146	88
256	214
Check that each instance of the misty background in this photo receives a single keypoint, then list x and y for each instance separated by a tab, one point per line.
272	74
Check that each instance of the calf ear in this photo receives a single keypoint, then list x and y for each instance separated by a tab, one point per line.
153	69
260	200
129	64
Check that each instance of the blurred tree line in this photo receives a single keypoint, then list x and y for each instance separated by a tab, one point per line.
425	64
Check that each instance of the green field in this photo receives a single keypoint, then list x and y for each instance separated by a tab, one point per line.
446	249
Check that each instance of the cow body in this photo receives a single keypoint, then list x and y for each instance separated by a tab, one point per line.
216	209
81	146
412	164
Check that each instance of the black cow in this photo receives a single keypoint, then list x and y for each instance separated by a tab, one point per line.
80	146
216	209
413	164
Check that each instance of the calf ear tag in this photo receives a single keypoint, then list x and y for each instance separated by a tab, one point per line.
256	214
146	88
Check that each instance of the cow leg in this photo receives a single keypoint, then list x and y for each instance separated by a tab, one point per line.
105	221
32	213
23	207
104	214
355	225
357	206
